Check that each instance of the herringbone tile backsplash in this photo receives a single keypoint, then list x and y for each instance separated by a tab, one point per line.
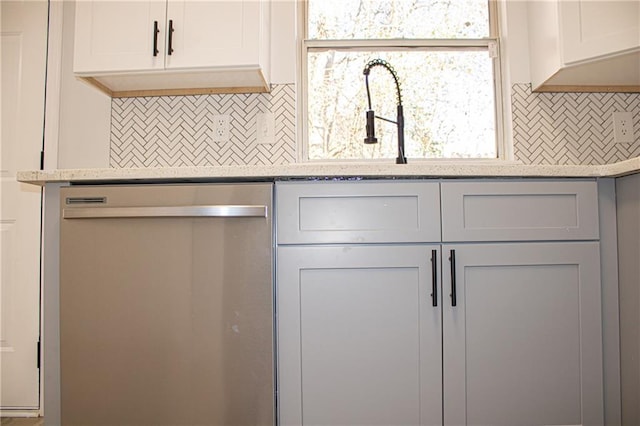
570	128
548	128
172	131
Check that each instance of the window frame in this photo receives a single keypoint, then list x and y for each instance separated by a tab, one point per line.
491	44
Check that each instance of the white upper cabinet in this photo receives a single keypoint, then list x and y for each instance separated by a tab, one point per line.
593	29
584	45
156	47
119	36
215	34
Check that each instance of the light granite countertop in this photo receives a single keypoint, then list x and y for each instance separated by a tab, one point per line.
423	169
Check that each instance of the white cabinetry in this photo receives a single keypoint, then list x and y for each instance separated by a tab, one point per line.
193	46
217	34
592	29
584	45
370	331
119	36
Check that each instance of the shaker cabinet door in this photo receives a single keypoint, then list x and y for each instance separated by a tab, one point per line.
151	35
522	345
359	337
592	29
216	33
119	36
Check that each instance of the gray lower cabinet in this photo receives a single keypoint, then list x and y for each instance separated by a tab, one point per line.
368	330
628	215
519	210
360	342
522	345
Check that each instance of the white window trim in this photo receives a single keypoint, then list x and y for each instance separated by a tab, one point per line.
504	143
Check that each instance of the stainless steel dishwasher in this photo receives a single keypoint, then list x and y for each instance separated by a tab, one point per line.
166	305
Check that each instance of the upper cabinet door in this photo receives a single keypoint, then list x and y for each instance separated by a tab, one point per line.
216	33
584	45
119	36
592	29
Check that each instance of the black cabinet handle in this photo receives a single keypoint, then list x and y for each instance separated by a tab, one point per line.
452	259
434	277
170	44
155	38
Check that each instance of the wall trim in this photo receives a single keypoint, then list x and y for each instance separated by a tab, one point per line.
53	84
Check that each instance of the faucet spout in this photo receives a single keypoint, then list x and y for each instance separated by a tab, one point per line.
370	139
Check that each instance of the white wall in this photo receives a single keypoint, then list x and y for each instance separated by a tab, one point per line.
85	113
283	41
515	40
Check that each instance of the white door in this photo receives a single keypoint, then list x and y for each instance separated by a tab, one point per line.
523	343
24	38
599	28
215	33
119	36
359	338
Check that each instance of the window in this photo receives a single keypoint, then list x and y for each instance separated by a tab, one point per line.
444	54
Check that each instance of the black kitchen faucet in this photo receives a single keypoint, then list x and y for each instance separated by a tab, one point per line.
371	134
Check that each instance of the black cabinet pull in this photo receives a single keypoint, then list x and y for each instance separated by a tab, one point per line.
170	44
155	38
452	259
434	277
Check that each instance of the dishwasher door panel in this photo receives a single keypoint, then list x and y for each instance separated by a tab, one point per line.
167	320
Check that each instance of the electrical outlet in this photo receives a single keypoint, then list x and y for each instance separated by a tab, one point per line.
623	127
265	128
220	128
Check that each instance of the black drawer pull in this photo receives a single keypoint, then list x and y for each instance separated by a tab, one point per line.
452	259
170	44
155	38
434	277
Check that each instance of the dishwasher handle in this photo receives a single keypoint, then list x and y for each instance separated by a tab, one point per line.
165	211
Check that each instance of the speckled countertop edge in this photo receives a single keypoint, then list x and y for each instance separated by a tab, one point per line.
335	170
